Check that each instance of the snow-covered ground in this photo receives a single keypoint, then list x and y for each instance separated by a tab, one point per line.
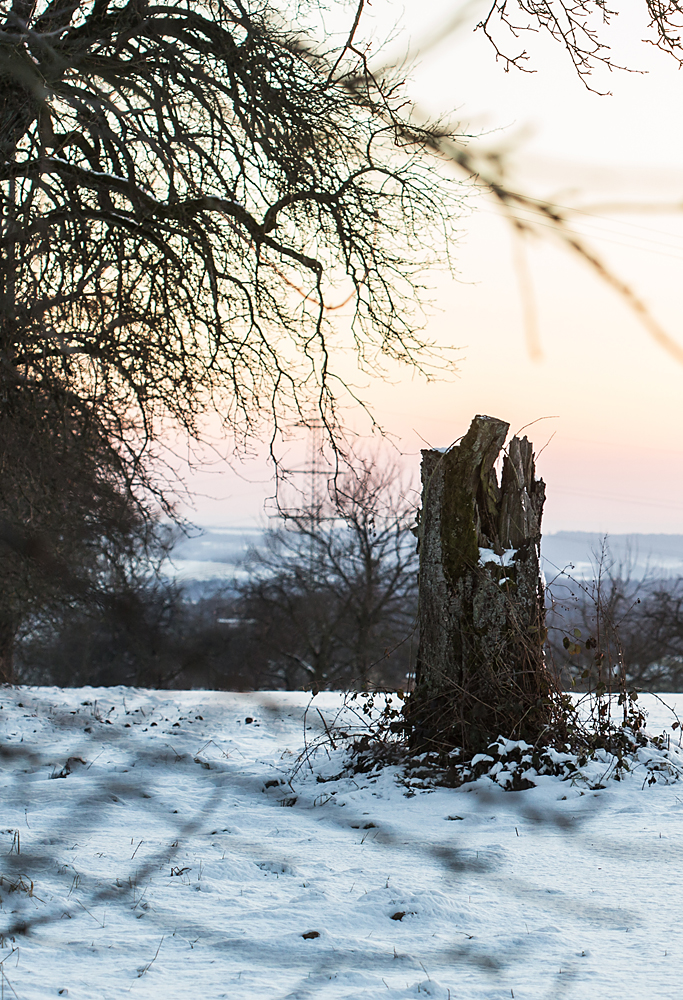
155	844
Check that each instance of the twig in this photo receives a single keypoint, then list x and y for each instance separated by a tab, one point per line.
146	968
3	980
673	712
101	923
329	734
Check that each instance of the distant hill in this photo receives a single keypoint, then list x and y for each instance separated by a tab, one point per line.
215	554
212	555
637	554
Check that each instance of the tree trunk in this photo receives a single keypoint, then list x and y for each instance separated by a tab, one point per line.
481	671
7	640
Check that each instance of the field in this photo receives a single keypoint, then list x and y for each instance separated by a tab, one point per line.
177	845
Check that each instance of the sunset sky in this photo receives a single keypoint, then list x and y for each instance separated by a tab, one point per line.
614	396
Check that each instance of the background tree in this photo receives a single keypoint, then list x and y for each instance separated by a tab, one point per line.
183	189
331	598
145	632
68	527
187	191
617	629
327	600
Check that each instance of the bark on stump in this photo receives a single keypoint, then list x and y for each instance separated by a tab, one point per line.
7	642
480	671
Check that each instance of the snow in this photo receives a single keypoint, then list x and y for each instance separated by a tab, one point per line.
158	844
506	558
201	569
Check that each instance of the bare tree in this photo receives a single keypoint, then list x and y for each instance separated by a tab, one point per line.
68	529
143	631
618	628
332	596
187	191
578	26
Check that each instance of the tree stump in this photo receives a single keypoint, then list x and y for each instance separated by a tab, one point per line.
481	671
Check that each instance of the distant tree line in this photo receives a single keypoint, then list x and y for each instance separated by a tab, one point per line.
182	189
327	601
617	625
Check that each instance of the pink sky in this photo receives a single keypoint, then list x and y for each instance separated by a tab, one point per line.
615	462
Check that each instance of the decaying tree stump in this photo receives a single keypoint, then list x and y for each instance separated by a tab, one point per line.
481	671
